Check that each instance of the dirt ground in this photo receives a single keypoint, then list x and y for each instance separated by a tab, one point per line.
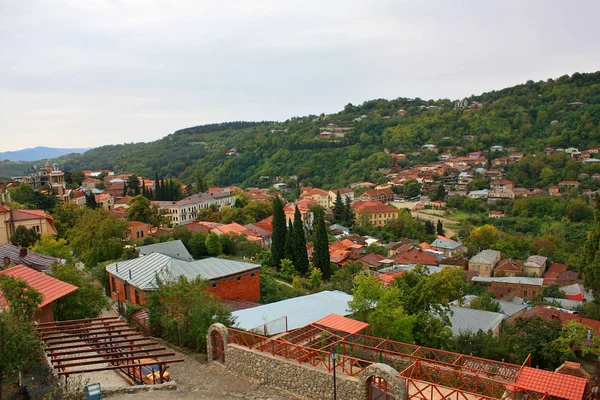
197	379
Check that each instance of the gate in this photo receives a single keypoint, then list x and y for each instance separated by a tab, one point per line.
379	389
218	347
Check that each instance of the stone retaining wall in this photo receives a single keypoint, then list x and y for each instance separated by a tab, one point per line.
302	379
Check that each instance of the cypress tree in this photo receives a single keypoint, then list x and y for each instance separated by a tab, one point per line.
321	253
348	213
279	232
300	253
158	190
338	209
124	189
429	228
144	192
440	228
590	257
289	242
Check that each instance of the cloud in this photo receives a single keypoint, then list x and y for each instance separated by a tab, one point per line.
87	73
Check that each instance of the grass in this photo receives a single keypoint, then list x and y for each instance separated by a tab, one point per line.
459	215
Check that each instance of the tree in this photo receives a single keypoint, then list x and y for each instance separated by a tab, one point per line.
320	258
440	228
97	236
367	292
24	237
411	188
213	245
389	319
181	312
52	247
485	302
440	193
200	185
316	279
483	237
590	258
349	217
90	200
279	232
133	184
429	227
22	299
343	277
338	209
197	245
289	242
32	199
300	253
553	291
180	232
87	301
375	248
65	217
140	210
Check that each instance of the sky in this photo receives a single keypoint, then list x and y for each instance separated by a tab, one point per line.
85	73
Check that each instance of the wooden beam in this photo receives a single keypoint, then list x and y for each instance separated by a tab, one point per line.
113	367
95	338
72	321
109	355
105	345
86	334
88	328
87	324
131	358
118	348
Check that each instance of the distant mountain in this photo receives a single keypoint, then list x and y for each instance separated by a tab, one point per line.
38	153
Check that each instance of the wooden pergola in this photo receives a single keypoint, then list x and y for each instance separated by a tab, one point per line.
104	344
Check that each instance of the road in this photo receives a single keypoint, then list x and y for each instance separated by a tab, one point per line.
434	218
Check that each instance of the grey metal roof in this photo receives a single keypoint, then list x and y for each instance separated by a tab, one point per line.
510	279
535	261
174	248
507	308
39	262
470	320
565	303
300	311
485	257
445	244
142	272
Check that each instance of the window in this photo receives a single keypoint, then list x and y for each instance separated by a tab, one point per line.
137	297
36	228
239	278
533	294
214	285
525	294
253	274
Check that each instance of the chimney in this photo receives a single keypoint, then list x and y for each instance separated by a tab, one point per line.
117	267
22	251
129	274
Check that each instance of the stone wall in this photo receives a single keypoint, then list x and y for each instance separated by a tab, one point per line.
304	380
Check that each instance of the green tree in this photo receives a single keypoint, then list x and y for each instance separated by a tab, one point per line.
90	200
197	245
23	300
87	301
429	227
200	185
349	216
485	302
213	245
411	189
300	252
133	184
320	258
181	312
440	228
554	291
97	236
375	248
339	209
590	258
32	199
343	277
140	210
65	217
180	232
389	319
289	242
316	279
440	193
367	292
52	246
24	237
279	232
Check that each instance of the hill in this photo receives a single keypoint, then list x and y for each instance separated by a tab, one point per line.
38	153
560	112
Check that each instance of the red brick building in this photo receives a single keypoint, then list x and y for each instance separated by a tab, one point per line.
50	288
133	280
523	287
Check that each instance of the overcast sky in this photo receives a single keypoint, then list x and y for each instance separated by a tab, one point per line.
83	73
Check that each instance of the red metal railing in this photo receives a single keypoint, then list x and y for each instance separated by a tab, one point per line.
317	358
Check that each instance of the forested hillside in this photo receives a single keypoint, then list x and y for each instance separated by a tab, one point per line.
530	117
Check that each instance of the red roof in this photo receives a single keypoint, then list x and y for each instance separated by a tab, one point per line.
343	324
557	385
370	207
50	288
418	256
388	278
551	314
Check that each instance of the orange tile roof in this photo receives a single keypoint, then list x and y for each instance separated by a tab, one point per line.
388	278
343	324
369	207
557	385
50	288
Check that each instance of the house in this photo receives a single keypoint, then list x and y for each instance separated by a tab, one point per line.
173	248
236	229
11	219
523	287
553	272
50	288
321	197
374	212
515	157
497	148
105	200
508	267
133	280
484	262
304	206
479	194
91	183
184	211
137	230
417	256
535	265
501	188
554	191
123	202
511	310
562	317
448	246
383	195
577	292
454	263
495	214
265	233
565	186
13	255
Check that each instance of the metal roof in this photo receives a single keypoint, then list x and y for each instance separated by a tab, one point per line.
142	272
174	248
50	288
300	311
565	303
470	320
517	280
40	262
342	324
507	308
445	243
485	257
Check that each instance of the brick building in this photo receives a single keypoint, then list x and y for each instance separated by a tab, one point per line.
523	287
132	280
484	262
